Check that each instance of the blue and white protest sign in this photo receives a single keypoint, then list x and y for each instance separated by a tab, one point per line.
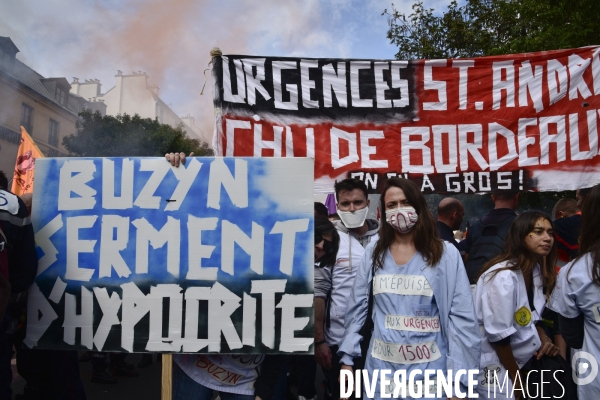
136	255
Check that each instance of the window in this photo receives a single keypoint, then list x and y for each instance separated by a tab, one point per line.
27	118
6	60
53	153
60	96
53	135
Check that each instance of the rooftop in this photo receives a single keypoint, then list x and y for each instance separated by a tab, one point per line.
27	76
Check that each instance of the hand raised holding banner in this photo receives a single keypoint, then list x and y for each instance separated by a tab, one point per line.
176	158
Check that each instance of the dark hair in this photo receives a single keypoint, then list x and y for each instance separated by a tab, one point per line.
449	208
348	185
321	210
565	204
518	255
585	191
505	194
426	238
3	181
583	194
589	241
323	226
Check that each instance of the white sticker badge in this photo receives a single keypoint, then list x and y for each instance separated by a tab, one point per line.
405	353
402	284
411	323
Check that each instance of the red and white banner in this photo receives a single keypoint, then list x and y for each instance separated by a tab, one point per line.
514	122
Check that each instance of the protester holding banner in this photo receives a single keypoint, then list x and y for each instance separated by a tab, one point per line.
576	298
21	270
233	376
195	376
435	320
192	374
334	284
510	298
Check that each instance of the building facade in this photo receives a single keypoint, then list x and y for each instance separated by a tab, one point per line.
132	94
43	106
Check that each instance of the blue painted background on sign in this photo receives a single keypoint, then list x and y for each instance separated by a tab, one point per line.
279	190
262	209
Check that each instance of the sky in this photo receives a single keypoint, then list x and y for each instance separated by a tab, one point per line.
171	40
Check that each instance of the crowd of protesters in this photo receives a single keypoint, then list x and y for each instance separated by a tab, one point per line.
530	293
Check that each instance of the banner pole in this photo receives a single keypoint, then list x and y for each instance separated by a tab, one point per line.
167	377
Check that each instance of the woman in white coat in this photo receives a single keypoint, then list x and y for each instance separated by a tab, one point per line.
422	310
509	301
577	299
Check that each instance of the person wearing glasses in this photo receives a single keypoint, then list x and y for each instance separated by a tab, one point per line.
333	284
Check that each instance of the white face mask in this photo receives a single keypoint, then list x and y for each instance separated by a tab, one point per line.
402	219
354	219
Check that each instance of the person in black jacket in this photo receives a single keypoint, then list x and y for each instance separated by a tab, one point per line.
485	238
450	216
567	227
22	268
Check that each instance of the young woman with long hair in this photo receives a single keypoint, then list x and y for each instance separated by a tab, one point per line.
576	297
510	296
422	309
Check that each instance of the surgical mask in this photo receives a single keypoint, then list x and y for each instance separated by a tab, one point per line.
353	219
402	219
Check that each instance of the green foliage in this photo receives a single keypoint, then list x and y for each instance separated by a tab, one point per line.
492	27
127	136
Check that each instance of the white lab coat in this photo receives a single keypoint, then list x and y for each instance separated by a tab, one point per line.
503	310
446	283
576	293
